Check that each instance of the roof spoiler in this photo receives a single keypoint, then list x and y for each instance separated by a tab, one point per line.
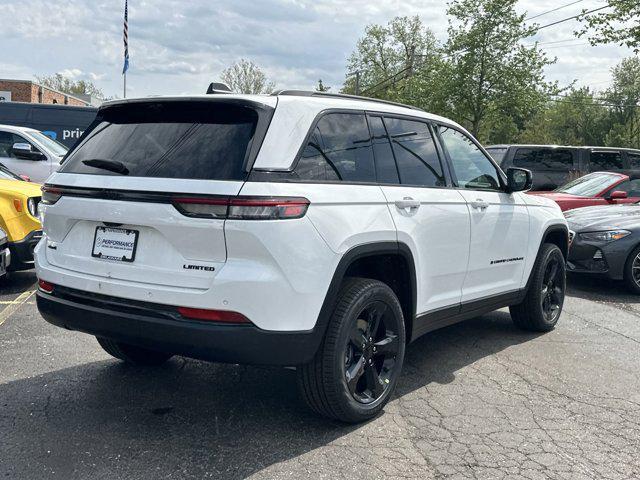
218	88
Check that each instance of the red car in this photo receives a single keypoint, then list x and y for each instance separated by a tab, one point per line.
598	188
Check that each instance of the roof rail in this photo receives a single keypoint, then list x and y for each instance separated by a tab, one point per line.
308	93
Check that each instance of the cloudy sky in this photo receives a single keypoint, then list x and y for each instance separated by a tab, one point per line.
179	46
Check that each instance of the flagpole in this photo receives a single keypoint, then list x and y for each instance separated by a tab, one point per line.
125	39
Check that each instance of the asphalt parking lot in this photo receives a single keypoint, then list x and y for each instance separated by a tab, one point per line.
477	400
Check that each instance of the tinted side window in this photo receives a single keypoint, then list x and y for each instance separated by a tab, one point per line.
634	160
544	159
632	187
416	154
385	162
339	149
497	153
7	140
605	161
556	159
525	158
472	168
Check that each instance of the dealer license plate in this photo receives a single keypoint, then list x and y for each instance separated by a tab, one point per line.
117	244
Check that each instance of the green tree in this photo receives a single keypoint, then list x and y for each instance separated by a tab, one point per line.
577	118
624	93
620	25
624	98
321	87
66	85
246	77
492	76
387	51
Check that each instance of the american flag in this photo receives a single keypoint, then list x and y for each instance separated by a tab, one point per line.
125	38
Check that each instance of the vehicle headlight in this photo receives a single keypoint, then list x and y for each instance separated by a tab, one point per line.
608	236
32	206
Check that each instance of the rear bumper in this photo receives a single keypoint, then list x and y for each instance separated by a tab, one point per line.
22	251
157	328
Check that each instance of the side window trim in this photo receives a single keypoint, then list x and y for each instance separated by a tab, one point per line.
439	152
369	115
452	180
501	175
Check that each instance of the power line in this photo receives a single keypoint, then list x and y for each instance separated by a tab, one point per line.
373	89
567	99
554	10
565	46
572	39
570	18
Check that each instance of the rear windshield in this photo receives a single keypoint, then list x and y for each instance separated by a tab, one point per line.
205	140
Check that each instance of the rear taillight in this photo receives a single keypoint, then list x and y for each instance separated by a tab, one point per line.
202	207
243	208
45	287
50	195
222	316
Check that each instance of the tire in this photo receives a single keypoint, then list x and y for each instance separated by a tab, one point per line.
133	354
632	284
542	305
356	345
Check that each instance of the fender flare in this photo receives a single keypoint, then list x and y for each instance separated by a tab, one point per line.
353	254
558	227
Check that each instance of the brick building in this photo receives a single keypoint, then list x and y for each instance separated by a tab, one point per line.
32	92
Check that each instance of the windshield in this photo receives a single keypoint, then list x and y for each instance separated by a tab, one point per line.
192	140
7	174
56	147
589	185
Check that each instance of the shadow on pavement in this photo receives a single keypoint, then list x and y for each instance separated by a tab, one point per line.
18	282
599	289
190	419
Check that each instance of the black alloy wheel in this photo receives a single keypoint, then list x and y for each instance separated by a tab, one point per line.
542	305
370	353
552	293
357	366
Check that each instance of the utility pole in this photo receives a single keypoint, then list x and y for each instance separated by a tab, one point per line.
357	83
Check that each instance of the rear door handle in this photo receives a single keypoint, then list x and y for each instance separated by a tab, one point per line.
407	203
479	204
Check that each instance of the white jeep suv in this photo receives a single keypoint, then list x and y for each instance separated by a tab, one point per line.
301	229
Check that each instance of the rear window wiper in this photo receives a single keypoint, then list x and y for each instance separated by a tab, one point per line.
111	165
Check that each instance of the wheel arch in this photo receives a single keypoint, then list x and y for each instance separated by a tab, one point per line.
371	260
557	234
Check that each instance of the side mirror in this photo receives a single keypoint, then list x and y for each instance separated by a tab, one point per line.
618	195
24	151
519	180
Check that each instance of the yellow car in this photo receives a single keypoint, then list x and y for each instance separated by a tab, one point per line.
18	217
